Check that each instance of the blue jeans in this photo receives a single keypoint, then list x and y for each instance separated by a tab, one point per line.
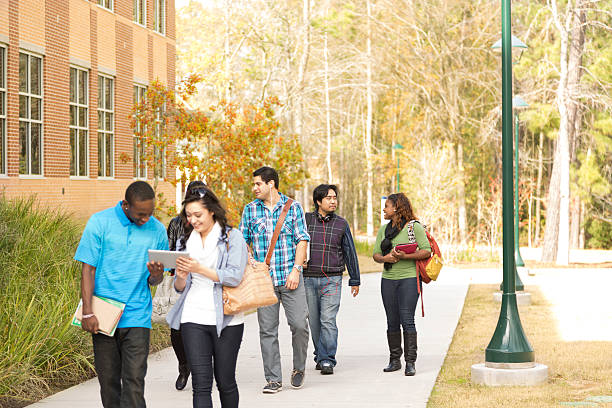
323	297
400	298
209	355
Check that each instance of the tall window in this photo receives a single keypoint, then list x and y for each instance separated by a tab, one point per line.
140	11
30	114
79	109
106	110
160	16
106	4
140	166
2	110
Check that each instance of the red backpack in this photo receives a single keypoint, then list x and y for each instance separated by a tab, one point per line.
428	269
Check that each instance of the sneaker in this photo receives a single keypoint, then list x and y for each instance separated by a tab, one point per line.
272	387
327	368
297	378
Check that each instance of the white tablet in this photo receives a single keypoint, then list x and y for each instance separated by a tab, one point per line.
168	258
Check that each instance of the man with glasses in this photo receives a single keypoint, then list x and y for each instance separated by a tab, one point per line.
331	250
114	252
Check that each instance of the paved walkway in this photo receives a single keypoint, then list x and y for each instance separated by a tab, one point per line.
358	380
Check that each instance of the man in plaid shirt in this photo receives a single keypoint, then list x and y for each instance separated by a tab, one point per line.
258	222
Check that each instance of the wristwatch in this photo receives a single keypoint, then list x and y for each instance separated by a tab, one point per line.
300	268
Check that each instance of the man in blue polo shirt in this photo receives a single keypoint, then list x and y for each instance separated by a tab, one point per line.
114	252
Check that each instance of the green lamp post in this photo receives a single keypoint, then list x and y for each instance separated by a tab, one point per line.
517	102
509	346
397	146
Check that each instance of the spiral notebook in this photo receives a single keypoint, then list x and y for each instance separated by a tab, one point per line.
107	311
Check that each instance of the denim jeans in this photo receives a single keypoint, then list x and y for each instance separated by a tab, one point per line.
323	297
400	299
121	365
208	354
296	312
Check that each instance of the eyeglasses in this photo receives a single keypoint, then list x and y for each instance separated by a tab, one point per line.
199	191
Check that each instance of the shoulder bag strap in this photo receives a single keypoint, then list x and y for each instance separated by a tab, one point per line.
279	225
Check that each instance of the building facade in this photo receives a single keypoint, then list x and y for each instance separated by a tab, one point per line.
70	71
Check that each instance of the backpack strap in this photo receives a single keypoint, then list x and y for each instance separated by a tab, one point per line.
277	229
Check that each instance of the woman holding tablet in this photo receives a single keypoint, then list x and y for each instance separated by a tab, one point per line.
218	257
395	248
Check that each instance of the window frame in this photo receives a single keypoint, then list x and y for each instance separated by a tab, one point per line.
138	168
29	121
111	4
159	26
103	131
77	127
3	116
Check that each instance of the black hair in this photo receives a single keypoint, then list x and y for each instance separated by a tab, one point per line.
205	196
267	174
139	191
320	192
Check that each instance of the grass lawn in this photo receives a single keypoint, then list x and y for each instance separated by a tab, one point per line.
578	371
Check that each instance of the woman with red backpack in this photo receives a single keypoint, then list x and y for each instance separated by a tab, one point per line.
399	279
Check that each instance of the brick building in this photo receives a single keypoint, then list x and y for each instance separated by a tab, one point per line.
69	73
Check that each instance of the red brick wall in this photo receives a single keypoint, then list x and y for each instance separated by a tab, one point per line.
12	84
124	84
93	94
56	136
170	20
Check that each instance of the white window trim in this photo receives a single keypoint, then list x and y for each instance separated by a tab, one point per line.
79	128
146	168
112	6
144	24
42	116
98	130
3	94
156	17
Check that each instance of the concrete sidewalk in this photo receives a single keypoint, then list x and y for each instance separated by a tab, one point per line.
358	380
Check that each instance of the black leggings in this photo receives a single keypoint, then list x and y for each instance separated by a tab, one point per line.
400	299
208	354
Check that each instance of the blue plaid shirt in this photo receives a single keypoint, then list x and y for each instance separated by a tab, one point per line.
257	227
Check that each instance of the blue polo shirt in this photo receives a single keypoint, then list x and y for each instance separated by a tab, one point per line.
118	249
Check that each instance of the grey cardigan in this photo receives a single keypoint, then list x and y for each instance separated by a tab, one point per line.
230	268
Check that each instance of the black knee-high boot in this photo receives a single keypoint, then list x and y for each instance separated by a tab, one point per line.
410	350
395	351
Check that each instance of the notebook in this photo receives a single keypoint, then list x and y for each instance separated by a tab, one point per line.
107	311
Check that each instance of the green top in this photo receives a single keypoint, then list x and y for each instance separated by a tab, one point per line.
405	268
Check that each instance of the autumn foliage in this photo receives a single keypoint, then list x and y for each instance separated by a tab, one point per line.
222	145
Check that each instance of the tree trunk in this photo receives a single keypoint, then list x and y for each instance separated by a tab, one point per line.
539	188
327	109
301	79
228	69
556	246
461	195
575	222
368	138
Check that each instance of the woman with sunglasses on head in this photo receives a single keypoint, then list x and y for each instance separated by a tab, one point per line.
218	256
176	229
399	283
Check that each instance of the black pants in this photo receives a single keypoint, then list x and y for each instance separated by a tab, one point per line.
400	299
208	354
179	349
121	364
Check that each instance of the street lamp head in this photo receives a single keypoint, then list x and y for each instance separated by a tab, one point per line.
397	146
518	102
516	43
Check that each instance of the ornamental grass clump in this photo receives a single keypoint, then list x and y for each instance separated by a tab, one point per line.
39	291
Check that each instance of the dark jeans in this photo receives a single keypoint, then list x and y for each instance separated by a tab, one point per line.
208	354
400	299
121	364
179	349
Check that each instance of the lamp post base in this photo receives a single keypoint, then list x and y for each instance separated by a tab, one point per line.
522	298
532	375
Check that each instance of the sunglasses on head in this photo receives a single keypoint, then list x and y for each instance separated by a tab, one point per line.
200	191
